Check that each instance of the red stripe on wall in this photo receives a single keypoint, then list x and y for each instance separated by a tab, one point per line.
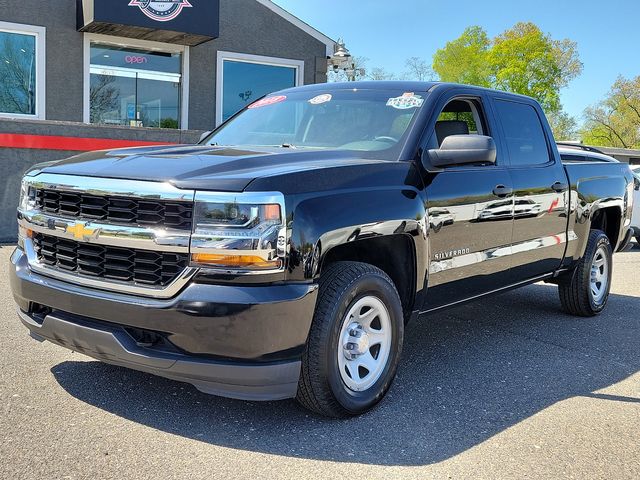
80	144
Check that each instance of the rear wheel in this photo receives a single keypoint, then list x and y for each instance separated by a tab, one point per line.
355	341
585	291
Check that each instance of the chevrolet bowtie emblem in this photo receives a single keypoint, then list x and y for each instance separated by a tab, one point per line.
81	231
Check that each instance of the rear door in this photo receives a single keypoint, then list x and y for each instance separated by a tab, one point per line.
540	187
470	210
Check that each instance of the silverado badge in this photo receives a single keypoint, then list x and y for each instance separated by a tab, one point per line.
451	253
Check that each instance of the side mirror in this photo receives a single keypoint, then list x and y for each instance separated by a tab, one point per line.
636	183
204	136
461	150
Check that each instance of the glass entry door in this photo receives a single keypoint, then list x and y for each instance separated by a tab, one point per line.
136	88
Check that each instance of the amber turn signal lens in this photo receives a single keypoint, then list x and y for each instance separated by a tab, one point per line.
234	261
272	212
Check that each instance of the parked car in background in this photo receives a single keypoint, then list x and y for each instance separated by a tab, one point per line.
440	217
573	152
635	219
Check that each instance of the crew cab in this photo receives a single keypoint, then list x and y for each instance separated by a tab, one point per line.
283	255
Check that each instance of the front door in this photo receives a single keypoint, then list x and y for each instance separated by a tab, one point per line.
471	214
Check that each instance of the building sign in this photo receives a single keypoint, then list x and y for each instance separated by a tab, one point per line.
135	59
161	11
184	22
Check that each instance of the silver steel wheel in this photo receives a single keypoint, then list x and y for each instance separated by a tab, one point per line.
599	275
364	343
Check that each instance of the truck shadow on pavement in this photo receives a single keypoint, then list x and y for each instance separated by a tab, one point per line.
466	375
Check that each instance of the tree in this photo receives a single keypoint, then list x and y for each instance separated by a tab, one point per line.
104	97
525	60
465	59
522	60
564	126
17	75
418	69
615	121
379	73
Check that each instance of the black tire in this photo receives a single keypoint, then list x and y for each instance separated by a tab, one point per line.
321	388
575	287
638	240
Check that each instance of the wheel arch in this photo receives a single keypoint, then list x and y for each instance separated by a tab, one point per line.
608	219
393	254
604	216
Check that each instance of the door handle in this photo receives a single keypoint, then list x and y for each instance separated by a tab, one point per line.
502	191
560	187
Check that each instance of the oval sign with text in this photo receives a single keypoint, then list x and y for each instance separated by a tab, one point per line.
161	11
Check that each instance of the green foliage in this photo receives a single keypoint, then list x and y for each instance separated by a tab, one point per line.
615	121
522	60
465	59
169	123
564	126
460	116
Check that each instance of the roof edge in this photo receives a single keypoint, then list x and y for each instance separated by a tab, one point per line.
302	25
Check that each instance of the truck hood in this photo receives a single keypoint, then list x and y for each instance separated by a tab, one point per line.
229	169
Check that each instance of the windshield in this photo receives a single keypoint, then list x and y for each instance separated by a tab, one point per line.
358	120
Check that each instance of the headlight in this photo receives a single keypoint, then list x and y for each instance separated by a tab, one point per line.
27	202
240	232
27	196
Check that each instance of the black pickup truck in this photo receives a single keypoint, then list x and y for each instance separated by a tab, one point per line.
283	255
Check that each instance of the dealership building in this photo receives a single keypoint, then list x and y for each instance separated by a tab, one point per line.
78	75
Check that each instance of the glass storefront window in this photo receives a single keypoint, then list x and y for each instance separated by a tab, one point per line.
135	87
17	73
245	82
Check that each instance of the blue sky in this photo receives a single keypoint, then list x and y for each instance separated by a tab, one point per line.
389	32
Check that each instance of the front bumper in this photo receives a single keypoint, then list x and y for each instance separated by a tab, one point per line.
235	341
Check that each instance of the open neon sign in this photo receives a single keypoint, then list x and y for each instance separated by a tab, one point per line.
135	59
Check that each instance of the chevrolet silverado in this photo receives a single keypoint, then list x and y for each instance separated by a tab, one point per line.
283	255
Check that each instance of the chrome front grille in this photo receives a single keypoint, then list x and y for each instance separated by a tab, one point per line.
157	269
121	235
116	210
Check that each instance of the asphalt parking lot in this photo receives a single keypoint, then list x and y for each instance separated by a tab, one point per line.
509	387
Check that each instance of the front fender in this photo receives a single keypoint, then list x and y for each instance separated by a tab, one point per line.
325	221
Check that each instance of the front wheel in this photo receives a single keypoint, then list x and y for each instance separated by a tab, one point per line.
355	341
585	291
